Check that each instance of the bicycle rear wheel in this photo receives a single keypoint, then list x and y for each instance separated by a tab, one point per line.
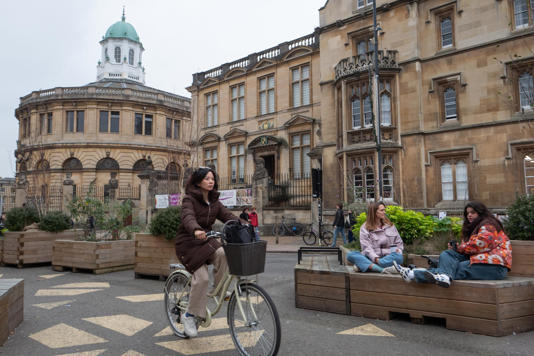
327	237
177	288
309	238
257	330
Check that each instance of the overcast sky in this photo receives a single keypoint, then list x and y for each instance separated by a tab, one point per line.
55	43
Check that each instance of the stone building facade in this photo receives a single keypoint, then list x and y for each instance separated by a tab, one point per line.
107	131
264	105
455	96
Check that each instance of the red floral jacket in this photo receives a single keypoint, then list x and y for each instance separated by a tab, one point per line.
488	246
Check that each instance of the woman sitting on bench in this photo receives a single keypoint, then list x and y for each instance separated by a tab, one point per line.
380	242
484	254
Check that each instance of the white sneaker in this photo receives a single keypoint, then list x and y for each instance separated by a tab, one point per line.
190	325
406	273
356	269
389	270
441	280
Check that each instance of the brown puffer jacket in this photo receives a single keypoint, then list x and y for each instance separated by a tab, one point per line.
198	215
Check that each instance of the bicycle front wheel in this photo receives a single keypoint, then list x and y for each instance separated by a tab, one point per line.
327	237
256	328
309	238
177	289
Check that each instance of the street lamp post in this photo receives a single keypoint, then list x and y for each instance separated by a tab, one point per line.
376	103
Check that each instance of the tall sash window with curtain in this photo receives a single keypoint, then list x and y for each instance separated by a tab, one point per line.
300	147
300	83
237	163
454	180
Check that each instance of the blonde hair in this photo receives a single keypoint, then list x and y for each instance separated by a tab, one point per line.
372	222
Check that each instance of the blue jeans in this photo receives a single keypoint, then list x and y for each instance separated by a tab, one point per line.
457	266
363	263
339	230
257	233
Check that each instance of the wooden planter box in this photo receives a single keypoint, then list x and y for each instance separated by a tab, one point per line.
97	256
153	254
11	306
1	249
25	247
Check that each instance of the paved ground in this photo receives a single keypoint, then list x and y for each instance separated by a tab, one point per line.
115	314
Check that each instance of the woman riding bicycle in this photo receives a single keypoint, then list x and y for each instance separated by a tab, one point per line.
200	208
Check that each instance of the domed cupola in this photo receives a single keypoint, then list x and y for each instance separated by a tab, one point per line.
122	51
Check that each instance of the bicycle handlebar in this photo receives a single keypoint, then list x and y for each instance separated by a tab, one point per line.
213	234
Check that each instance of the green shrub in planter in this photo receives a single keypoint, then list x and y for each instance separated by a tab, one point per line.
166	222
18	218
55	221
520	222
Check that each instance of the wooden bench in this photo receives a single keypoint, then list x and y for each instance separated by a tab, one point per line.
11	306
493	308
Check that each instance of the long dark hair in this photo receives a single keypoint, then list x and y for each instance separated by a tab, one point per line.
197	176
372	222
484	217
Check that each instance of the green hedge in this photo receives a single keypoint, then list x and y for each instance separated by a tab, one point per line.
18	218
520	222
413	225
166	222
55	221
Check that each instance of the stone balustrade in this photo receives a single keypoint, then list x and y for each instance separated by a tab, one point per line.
364	62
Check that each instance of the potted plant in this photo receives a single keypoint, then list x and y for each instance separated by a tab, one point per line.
103	247
155	251
519	226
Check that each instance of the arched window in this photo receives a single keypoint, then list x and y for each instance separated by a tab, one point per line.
72	164
106	56
142	165
526	91
358	185
131	57
117	54
446	32
356	115
385	102
173	171
387	183
42	165
449	99
369	184
107	164
367	111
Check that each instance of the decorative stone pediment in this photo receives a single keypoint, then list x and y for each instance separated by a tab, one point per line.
264	63
298	120
208	82
209	137
265	141
235	132
297	52
234	73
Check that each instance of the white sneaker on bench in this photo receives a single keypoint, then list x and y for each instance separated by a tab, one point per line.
389	270
356	269
406	273
440	279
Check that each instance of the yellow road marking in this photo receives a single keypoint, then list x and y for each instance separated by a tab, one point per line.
216	324
86	353
63	292
122	323
203	345
63	335
143	298
50	276
49	306
132	353
367	330
84	285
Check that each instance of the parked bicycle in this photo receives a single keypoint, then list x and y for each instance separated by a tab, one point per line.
251	314
287	228
310	236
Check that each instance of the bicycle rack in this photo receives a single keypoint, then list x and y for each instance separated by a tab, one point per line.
326	250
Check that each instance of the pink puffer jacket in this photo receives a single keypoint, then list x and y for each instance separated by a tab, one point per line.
377	243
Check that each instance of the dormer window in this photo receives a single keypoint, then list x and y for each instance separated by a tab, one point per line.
131	57
117	54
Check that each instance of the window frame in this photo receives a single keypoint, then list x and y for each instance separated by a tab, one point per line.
364	164
42	123
518	71
528	154
143	123
303	153
441	17
78	116
365	3
453	161
239	100
239	178
172	132
49	123
131	56
360	90
117	54
211	101
300	81
212	159
530	15
267	92
443	86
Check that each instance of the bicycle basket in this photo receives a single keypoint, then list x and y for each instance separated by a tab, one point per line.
246	259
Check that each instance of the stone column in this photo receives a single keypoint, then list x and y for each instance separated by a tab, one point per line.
20	191
68	191
260	183
143	197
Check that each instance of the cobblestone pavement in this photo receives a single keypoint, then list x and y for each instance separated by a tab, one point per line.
115	314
